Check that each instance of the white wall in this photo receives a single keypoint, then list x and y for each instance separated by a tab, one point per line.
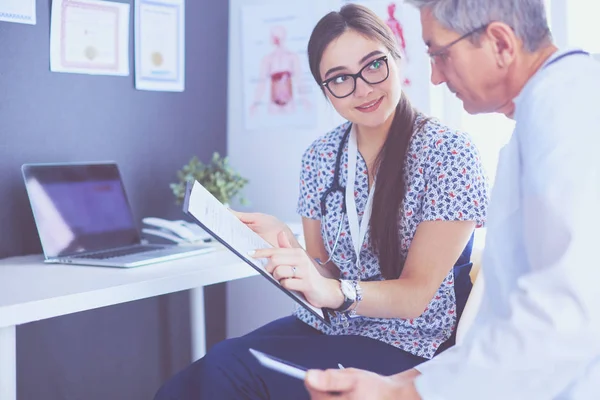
270	159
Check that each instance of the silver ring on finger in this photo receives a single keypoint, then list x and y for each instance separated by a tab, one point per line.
293	272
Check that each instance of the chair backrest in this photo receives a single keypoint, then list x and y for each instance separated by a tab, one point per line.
471	308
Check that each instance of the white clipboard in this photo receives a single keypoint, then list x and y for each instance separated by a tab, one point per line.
215	218
279	365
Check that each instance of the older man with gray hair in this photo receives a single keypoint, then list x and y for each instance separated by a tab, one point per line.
537	333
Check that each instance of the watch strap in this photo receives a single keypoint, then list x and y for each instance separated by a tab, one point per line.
347	301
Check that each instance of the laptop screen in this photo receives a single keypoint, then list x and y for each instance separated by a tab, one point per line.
79	207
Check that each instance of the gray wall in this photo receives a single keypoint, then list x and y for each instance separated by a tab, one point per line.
125	351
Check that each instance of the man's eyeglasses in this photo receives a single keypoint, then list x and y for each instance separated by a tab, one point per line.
344	85
440	56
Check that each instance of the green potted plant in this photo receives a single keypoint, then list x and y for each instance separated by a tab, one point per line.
217	177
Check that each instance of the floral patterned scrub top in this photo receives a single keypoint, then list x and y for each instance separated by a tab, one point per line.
444	181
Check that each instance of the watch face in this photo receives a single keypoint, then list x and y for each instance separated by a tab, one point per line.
348	290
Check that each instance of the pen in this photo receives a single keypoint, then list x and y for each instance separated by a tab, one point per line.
340	366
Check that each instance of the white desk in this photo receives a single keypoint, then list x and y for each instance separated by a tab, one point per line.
31	291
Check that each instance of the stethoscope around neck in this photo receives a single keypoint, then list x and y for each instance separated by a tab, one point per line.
567	54
336	187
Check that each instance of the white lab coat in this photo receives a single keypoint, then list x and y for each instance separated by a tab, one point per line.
537	333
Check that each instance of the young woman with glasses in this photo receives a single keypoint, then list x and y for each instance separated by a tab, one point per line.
389	202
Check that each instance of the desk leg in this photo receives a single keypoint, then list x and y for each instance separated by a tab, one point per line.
8	363
198	323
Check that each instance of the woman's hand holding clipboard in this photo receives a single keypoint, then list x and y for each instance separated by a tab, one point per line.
227	229
296	270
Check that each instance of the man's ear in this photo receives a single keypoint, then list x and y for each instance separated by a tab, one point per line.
504	43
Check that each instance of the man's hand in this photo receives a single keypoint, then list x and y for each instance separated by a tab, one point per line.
406	377
355	384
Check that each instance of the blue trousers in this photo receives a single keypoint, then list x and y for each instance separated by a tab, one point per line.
229	371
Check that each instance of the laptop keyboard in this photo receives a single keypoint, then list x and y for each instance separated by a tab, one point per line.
120	252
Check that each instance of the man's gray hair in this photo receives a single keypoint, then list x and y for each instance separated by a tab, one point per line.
526	17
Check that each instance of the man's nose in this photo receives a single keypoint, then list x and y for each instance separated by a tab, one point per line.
437	75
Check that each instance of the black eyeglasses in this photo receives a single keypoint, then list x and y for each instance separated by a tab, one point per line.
440	56
344	85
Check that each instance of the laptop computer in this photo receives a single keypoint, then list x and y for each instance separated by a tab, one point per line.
83	217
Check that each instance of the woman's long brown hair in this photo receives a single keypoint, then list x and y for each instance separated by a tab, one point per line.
390	162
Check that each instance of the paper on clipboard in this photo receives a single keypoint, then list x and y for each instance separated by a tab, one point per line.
225	227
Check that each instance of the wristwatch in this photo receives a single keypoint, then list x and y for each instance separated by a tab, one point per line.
349	292
352	313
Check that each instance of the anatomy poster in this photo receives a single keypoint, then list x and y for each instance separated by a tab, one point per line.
279	90
396	14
